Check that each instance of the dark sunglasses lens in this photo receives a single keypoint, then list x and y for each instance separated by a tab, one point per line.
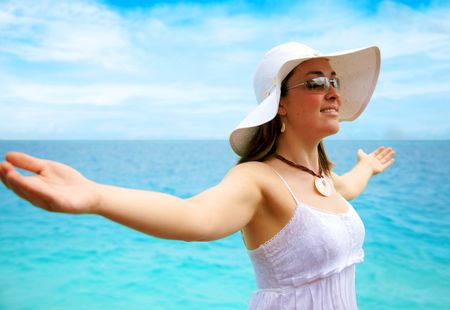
335	83
318	84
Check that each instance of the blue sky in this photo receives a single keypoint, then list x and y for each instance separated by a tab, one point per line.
183	70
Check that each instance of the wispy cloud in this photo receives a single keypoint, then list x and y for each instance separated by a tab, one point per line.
199	57
65	31
116	94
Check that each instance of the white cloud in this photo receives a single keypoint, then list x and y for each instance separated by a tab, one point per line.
64	31
188	56
116	94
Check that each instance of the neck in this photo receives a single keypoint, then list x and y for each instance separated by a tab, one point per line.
302	152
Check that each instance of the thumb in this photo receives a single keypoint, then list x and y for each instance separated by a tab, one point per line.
361	153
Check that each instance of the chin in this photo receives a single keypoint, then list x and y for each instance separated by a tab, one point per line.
331	130
336	128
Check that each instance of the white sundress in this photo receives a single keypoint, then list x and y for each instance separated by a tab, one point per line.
310	263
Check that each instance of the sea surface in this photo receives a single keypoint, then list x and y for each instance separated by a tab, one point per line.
58	261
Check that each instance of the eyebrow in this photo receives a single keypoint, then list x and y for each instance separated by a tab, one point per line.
319	73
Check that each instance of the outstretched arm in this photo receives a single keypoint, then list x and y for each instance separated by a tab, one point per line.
215	213
353	183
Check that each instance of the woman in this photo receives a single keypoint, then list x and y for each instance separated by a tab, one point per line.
302	236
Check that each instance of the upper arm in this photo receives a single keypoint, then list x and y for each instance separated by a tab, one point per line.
342	187
230	205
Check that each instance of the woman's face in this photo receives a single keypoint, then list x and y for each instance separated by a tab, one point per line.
310	112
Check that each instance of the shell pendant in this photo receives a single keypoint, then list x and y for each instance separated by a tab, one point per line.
323	186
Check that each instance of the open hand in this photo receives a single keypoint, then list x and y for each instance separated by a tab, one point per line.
54	187
378	160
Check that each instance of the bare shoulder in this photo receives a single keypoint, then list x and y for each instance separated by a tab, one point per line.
255	177
254	170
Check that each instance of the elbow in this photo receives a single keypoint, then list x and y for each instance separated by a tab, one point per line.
350	196
350	193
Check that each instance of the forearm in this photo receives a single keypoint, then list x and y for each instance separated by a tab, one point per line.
152	213
352	183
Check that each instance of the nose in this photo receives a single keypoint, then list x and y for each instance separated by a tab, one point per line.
332	94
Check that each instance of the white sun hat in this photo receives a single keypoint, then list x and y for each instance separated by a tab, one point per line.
357	70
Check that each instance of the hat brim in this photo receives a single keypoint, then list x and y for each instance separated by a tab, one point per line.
358	72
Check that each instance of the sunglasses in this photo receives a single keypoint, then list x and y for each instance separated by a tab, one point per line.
318	84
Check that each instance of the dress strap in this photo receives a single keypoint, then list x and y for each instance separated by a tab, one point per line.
287	186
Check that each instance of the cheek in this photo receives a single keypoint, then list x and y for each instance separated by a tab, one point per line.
306	108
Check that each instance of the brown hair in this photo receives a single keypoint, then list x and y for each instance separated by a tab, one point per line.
264	142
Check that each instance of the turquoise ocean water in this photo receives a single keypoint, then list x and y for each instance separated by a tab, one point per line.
57	261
